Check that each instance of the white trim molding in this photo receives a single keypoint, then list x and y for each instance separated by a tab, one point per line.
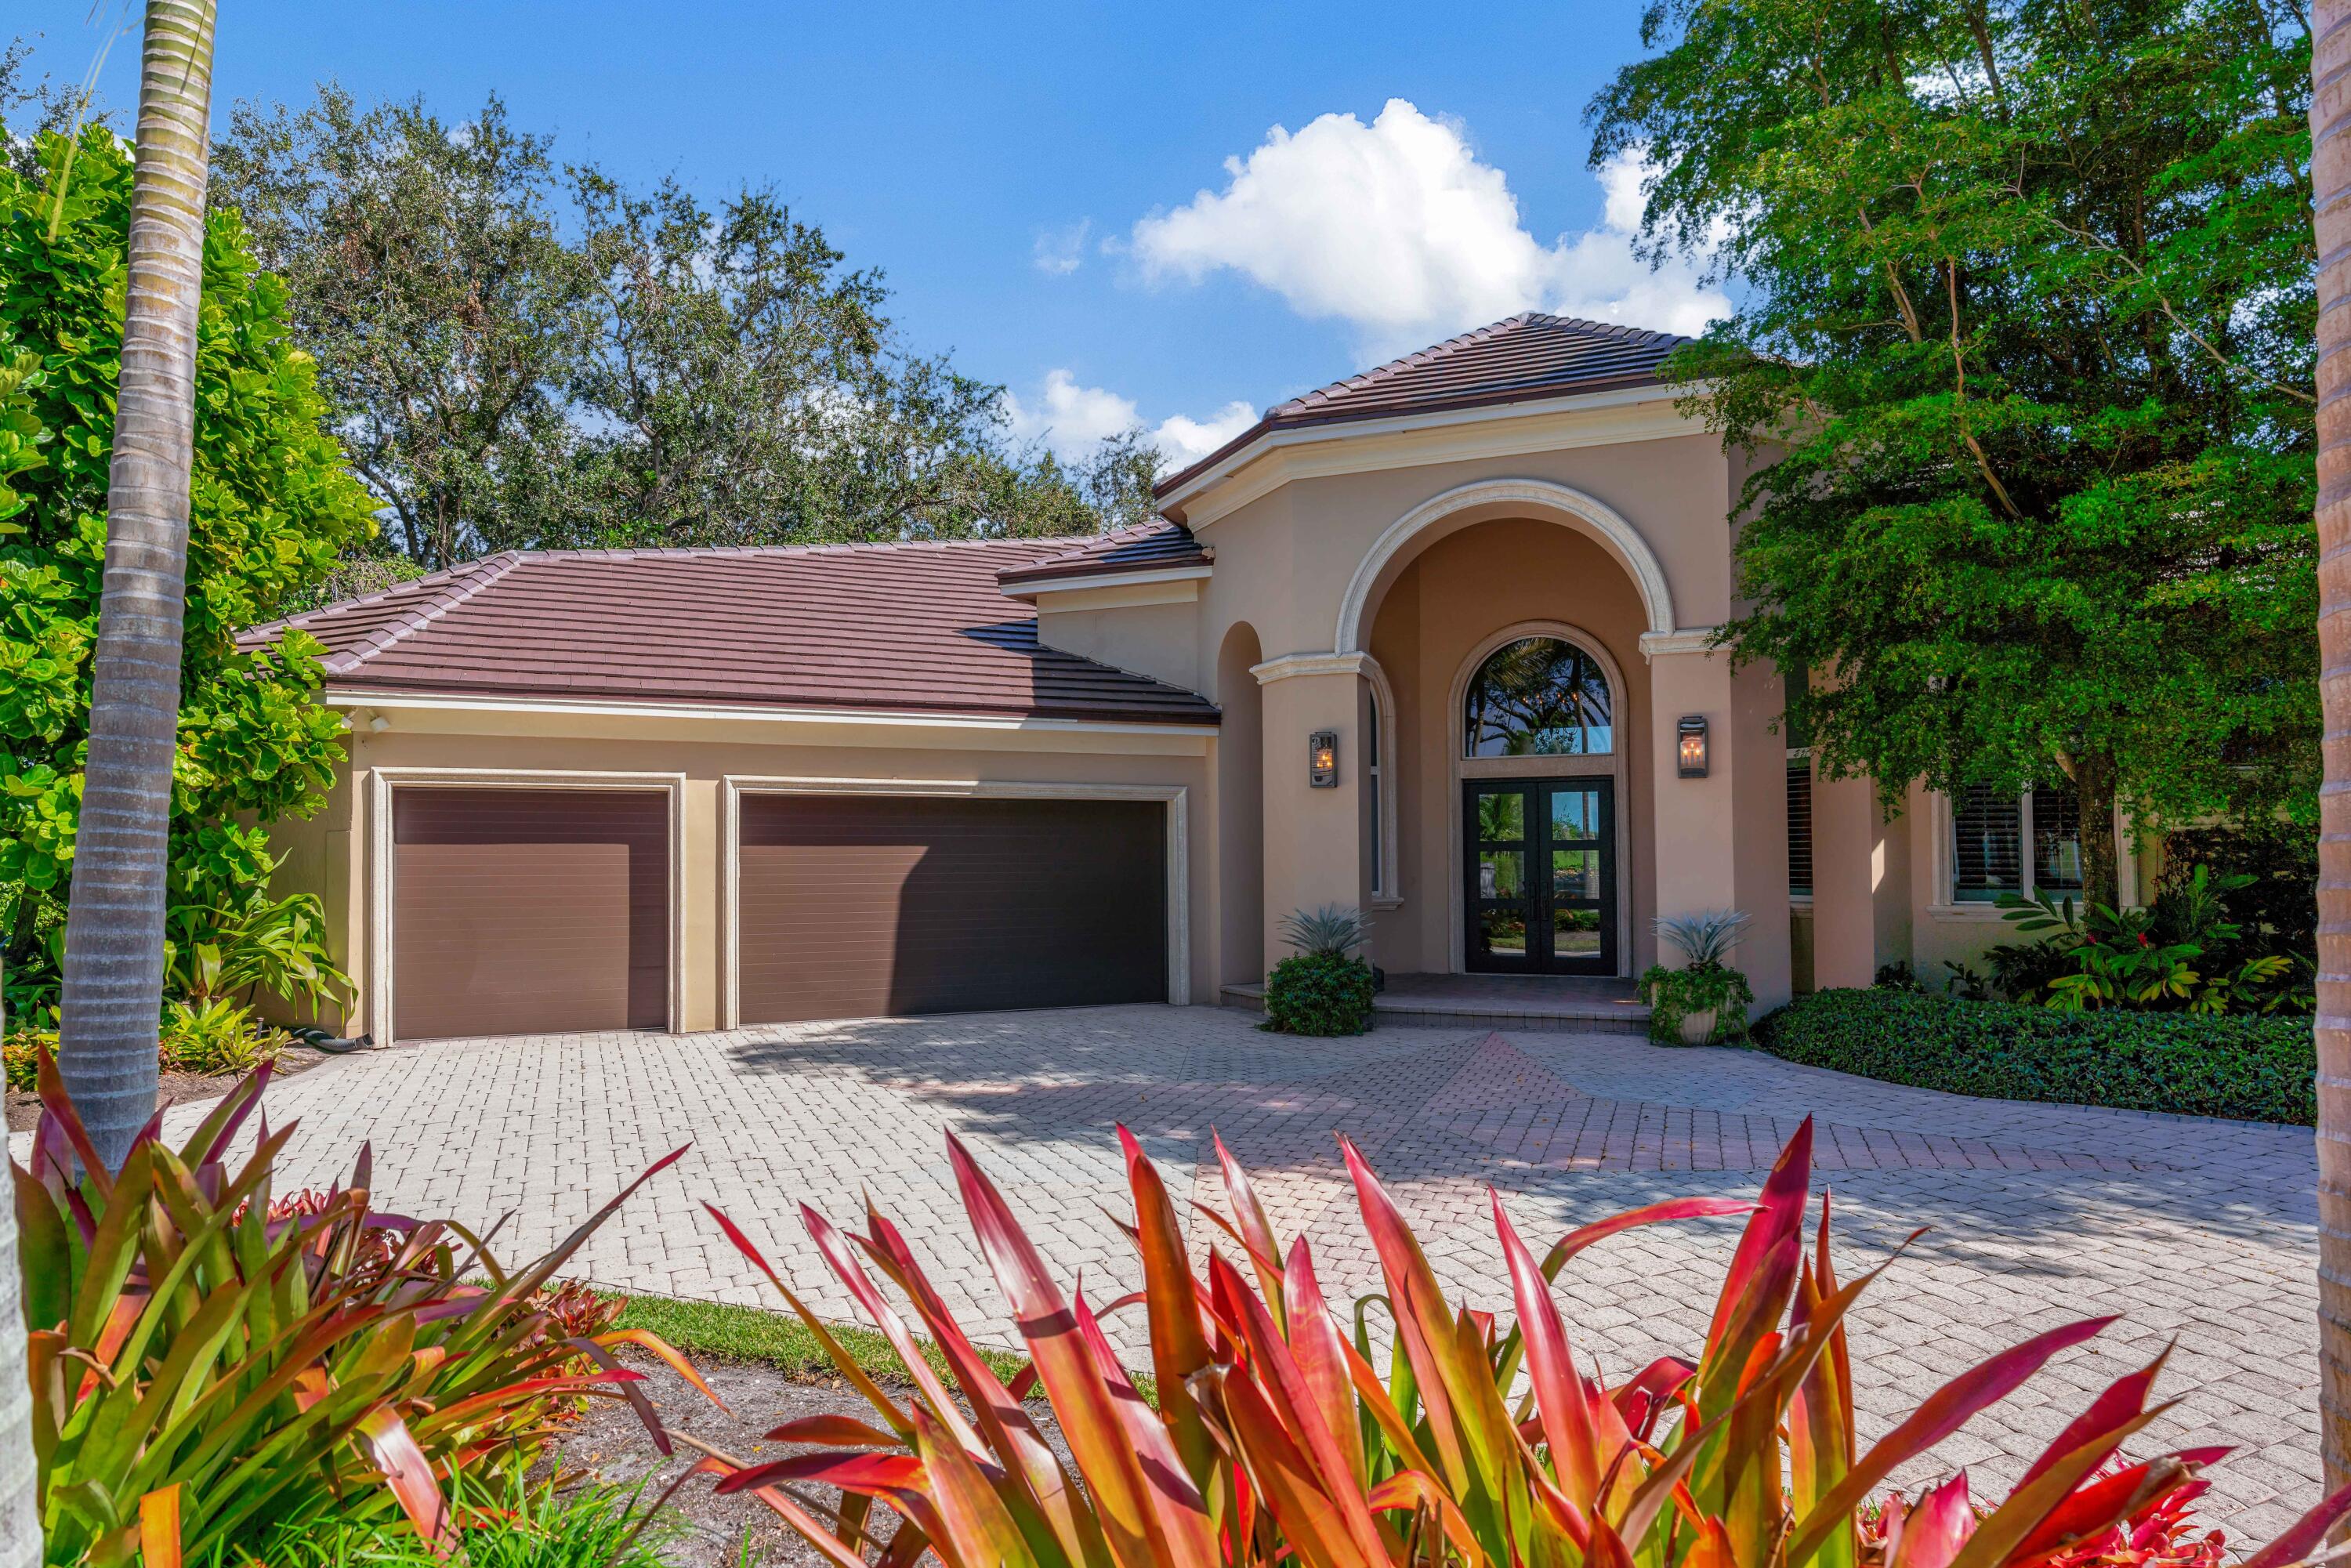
1538	497
1176	797
1264	465
1387	887
1688	640
382	1016
750	713
1615	764
1292	664
1045	587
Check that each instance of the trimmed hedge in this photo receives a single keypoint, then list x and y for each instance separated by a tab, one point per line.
1318	994
2250	1069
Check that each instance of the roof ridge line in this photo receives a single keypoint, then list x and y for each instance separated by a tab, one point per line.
830	547
459	590
1397	366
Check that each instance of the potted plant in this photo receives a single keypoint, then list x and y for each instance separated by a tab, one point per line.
1705	1001
1323	989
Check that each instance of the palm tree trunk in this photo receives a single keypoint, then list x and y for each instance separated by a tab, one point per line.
114	928
2330	134
20	1498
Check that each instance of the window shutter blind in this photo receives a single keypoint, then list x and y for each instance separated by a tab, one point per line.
1800	826
1987	845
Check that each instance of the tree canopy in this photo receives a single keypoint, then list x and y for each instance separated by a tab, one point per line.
272	506
2025	340
525	353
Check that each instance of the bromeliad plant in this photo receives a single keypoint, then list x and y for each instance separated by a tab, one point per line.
208	1365
1705	992
1276	1438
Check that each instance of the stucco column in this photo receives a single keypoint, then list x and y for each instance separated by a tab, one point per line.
1314	838
1722	840
1853	870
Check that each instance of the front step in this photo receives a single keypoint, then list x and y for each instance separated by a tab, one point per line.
1596	1014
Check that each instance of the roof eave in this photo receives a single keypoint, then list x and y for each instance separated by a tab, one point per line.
1174	493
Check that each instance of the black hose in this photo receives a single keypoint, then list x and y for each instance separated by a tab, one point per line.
320	1039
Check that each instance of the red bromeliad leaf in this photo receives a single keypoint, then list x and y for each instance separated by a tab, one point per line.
1934	1532
1998	1536
1309	1516
856	1472
1558	1389
885	1318
835	1431
1088	1412
2122	1400
159	1527
646	1340
1178	1348
1779	1217
647	1417
975	1528
396	1457
1414	1490
1424	1327
1256	1232
1322	1363
846	1364
2306	1535
1287	1394
1713	1547
1178	1509
2109	1500
804	1523
1944	1413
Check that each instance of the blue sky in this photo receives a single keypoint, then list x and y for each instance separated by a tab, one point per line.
1089	203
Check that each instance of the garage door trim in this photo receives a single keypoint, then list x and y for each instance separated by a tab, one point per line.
1174	797
384	858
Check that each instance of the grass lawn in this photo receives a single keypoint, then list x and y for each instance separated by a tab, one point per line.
780	1339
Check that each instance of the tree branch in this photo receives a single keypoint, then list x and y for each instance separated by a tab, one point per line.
1960	370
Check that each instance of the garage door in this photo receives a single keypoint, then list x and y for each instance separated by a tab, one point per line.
863	907
529	910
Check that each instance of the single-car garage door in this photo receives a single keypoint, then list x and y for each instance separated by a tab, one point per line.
863	907
528	911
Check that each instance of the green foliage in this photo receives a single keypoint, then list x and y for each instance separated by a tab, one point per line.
520	1524
1278	1439
1705	938
2167	957
2249	1068
278	945
213	1039
1332	931
1318	994
278	1359
1676	995
2026	323
272	505
526	354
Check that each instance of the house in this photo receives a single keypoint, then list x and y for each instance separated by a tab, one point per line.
1435	641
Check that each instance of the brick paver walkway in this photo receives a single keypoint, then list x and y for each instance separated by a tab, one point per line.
2197	1232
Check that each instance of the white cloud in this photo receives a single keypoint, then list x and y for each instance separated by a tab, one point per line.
1069	419
1059	252
1396	228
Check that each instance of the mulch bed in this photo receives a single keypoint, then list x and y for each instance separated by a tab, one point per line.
611	1444
176	1088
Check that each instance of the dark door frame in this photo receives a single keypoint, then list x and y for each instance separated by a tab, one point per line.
1537	899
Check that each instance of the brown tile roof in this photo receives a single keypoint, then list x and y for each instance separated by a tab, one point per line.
914	628
1526	357
1147	546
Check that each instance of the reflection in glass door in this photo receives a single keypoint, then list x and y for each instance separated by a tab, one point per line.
1539	858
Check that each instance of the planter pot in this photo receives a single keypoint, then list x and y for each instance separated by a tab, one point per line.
1697	1028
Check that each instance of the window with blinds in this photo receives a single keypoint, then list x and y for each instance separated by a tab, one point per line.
1987	845
1800	825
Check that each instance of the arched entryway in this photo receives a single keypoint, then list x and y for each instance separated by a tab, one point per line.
1240	812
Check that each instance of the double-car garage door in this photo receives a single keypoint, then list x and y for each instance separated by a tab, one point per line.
535	911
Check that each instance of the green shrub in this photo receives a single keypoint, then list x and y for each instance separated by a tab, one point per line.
526	1524
2257	1069
1319	993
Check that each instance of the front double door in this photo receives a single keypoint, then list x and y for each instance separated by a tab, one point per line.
1540	859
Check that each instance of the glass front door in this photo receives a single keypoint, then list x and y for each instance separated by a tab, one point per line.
1539	856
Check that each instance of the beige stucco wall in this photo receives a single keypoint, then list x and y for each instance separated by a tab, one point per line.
1156	634
333	852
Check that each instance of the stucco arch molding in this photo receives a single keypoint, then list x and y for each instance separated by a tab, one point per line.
1539	498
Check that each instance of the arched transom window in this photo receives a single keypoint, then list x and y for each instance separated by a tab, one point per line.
1538	697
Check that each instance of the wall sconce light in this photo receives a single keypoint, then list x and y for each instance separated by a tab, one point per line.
1691	754
1323	760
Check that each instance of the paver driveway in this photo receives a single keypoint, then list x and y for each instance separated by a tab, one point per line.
2200	1231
